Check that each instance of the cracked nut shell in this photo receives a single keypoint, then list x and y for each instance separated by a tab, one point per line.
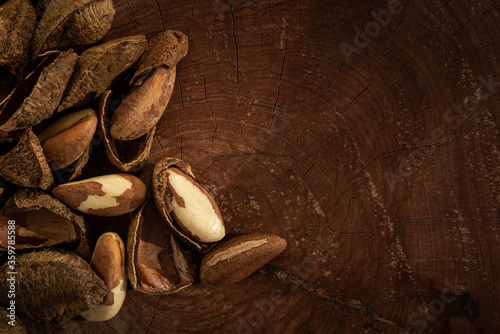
99	66
36	97
155	261
52	285
42	221
128	156
25	164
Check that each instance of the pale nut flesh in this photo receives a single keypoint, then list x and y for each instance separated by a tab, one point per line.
143	108
65	140
194	209
108	262
107	195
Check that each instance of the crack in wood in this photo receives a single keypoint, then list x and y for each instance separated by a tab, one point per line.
160	145
235	44
338	299
132	12
280	83
354	99
161	15
153	317
475	17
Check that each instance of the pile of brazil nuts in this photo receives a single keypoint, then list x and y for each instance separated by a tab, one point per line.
61	88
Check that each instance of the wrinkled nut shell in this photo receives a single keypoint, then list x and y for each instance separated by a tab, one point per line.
64	141
17	20
108	262
99	66
52	286
237	258
25	164
155	261
41	221
193	208
135	159
106	195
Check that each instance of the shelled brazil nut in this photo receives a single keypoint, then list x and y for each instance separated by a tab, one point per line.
189	210
108	262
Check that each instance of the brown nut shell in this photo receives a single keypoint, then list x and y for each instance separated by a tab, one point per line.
17	21
36	97
166	49
155	261
76	22
107	195
10	323
42	221
136	152
52	286
237	258
25	164
99	66
161	196
65	140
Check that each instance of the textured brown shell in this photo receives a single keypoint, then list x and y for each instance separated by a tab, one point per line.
25	164
166	49
52	286
160	192
5	328
66	20
35	200
99	66
17	21
182	266
35	98
145	142
85	26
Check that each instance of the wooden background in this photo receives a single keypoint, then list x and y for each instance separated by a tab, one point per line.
379	167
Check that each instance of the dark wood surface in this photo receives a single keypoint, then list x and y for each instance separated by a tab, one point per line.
380	167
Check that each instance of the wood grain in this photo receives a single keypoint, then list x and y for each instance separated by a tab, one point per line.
380	169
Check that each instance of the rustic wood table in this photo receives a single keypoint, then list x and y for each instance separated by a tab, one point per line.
363	132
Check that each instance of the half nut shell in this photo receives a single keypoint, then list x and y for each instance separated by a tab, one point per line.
52	286
99	66
128	156
36	97
156	262
42	221
17	22
25	164
72	23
